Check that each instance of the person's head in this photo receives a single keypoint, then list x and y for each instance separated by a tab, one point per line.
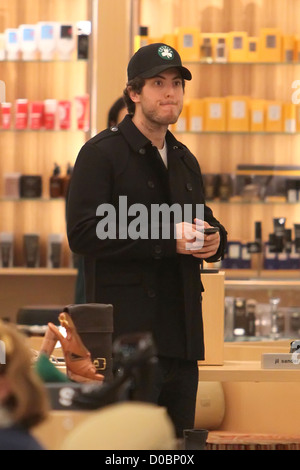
22	394
117	112
154	60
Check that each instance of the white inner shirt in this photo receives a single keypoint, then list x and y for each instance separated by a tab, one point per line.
163	154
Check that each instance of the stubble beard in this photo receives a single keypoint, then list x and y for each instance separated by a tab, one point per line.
155	118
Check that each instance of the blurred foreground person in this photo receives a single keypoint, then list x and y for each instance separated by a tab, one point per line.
23	400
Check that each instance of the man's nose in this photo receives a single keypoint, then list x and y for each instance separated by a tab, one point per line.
169	91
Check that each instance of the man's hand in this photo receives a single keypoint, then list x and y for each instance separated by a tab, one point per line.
188	238
192	241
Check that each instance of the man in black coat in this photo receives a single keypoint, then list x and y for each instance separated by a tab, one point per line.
136	212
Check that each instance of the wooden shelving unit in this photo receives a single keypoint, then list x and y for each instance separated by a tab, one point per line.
7	272
35	152
222	152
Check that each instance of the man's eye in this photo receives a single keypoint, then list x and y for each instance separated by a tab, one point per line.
158	82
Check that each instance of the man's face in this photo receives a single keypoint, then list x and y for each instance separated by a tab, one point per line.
161	99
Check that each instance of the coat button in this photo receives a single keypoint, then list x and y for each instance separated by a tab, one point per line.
151	293
151	184
114	129
142	151
189	186
157	251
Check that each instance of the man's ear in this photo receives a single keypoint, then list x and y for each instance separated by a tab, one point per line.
133	95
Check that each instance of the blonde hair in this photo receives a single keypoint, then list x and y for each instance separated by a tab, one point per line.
27	401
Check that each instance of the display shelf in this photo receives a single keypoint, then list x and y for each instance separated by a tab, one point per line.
258	283
230	133
37	272
34	152
267	203
40	131
61	199
29	200
246	371
243	363
275	64
275	277
52	61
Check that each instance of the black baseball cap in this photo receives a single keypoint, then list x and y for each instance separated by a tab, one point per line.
150	60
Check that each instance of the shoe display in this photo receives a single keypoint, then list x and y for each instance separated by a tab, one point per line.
77	357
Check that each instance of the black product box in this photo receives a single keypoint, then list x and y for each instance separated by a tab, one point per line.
30	186
219	186
264	182
237	256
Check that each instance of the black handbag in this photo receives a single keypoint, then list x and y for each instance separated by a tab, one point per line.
94	324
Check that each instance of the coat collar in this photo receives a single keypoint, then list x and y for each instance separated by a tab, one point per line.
138	141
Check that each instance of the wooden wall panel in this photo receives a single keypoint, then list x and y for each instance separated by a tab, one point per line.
112	54
220	15
16	12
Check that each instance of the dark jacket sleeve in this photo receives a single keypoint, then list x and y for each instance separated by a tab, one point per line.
92	185
209	216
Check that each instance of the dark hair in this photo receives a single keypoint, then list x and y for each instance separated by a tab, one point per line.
112	117
136	84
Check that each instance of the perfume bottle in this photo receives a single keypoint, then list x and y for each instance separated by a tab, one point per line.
66	180
221	51
251	306
210	186
240	325
225	187
56	183
274	301
206	51
142	38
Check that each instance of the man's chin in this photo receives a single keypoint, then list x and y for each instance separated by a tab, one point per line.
170	120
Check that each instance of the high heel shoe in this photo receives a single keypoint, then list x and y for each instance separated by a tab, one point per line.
78	359
49	342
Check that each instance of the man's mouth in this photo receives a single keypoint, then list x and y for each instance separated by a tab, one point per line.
168	104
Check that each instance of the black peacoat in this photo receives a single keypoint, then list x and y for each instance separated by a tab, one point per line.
151	287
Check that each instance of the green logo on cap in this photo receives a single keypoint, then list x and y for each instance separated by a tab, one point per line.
165	52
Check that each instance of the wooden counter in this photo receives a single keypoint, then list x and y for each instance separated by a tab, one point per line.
246	371
256	400
213	317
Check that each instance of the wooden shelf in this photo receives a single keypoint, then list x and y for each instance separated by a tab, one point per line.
233	276
34	152
264	284
231	133
37	61
198	62
33	131
266	203
38	272
243	363
33	199
246	371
